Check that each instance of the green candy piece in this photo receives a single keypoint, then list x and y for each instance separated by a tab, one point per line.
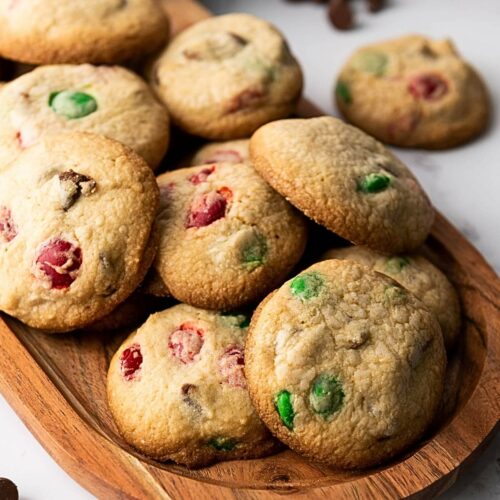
254	253
72	104
237	319
343	92
395	265
371	62
307	285
284	407
395	295
326	395
374	183
222	444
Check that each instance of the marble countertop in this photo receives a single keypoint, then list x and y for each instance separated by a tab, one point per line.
464	183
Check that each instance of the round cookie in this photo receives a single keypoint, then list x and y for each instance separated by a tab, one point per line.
177	390
226	237
344	365
79	31
225	76
417	275
76	214
413	92
345	180
107	100
222	152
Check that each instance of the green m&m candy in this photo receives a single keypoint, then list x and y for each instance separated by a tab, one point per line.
374	183
284	407
307	285
326	395
395	265
222	443
371	62
72	104
254	253
343	92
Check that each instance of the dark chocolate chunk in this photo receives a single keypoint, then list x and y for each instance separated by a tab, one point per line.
340	14
8	490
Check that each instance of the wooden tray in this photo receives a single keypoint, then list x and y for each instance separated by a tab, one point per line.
56	384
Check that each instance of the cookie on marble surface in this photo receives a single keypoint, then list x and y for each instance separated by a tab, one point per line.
413	92
345	180
225	76
419	276
76	215
177	390
344	365
107	100
222	152
227	238
80	31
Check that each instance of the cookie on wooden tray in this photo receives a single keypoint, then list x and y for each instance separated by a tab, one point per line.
222	152
419	276
76	215
79	31
413	92
225	76
107	100
345	180
344	365
227	238
177	390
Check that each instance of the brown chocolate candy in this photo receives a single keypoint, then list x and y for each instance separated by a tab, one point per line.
8	490
340	14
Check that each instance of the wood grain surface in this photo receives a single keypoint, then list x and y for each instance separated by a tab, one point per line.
56	384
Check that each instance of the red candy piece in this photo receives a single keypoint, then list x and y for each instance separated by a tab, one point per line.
202	175
58	261
430	87
208	208
225	156
131	361
231	365
8	230
186	342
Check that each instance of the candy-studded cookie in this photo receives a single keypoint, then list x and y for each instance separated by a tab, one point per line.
107	100
225	76
414	92
76	212
344	365
345	180
226	237
78	31
222	152
177	390
418	276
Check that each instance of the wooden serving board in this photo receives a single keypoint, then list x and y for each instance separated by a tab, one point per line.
56	384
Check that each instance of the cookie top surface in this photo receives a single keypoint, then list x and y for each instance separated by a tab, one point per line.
222	152
344	365
78	31
413	91
225	76
419	276
345	180
76	212
107	100
226	237
177	390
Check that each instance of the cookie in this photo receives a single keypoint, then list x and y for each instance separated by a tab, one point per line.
79	31
222	152
76	212
417	275
225	76
177	390
154	285
344	365
226	237
345	180
107	100
413	92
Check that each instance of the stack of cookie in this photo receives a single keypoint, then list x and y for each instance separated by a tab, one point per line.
343	361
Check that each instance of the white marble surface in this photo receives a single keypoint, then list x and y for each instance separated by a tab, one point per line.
464	183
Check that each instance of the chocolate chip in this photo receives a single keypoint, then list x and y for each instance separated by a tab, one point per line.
375	5
108	276
8	490
238	38
72	186
340	14
188	397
